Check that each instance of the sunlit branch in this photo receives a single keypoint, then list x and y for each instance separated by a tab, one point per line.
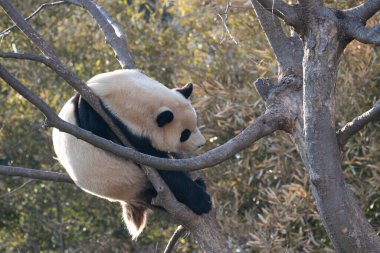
176	235
114	35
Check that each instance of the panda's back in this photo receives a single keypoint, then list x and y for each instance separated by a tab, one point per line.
94	170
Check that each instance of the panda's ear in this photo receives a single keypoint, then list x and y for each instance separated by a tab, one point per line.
186	90
164	118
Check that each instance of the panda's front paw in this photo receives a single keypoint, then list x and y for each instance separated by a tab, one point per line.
199	202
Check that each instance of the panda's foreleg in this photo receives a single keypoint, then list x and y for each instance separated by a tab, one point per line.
187	191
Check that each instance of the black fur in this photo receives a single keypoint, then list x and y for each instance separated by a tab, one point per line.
164	118
186	90
189	192
185	135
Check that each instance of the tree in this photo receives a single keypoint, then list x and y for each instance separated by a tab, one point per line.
301	102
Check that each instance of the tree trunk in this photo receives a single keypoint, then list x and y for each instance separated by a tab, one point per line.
343	219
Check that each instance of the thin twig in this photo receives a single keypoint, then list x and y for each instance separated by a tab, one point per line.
176	235
36	174
28	182
224	16
358	123
40	8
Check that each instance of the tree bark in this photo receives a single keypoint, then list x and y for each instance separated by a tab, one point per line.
343	219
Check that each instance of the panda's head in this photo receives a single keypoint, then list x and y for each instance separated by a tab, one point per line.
177	124
151	110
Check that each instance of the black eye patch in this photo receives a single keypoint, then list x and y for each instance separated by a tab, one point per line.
185	135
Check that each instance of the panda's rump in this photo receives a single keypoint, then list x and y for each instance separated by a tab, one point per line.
94	170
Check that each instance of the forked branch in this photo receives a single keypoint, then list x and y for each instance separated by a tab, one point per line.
55	64
282	10
40	8
288	51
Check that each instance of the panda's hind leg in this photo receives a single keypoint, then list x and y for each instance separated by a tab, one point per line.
189	192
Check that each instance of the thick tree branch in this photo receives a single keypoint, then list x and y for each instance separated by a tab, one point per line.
288	51
262	126
364	11
173	240
40	8
36	174
114	35
356	30
203	227
358	123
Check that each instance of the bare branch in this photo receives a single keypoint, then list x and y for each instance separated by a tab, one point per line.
13	191
31	57
114	35
262	126
364	11
224	16
36	174
356	30
56	65
287	51
282	10
357	124
176	235
40	8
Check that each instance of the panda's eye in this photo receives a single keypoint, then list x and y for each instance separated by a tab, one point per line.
185	135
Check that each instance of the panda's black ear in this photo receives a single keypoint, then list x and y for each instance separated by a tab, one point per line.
186	90
164	118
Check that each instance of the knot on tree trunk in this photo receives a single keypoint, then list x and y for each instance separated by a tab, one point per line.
283	97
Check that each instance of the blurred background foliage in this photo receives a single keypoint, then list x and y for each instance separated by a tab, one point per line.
262	195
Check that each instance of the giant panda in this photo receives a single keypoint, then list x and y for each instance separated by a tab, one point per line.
155	120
